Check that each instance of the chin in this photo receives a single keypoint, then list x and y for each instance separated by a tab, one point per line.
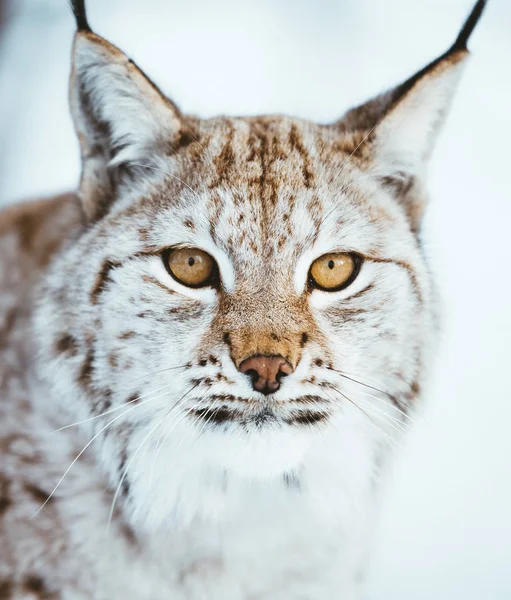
266	452
193	480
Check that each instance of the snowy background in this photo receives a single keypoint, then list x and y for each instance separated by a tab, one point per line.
445	527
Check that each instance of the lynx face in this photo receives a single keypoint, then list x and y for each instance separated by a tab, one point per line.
247	292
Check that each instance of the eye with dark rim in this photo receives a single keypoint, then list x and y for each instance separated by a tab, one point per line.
335	271
191	267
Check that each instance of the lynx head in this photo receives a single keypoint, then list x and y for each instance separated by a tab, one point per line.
247	293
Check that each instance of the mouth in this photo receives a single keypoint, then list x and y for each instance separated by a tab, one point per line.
222	411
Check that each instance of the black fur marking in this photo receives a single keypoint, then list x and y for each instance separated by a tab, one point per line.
125	485
469	26
307	418
401	185
362	292
6	589
85	375
292	481
128	534
369	115
36	585
262	418
459	45
216	416
66	344
78	8
133	399
37	493
226	398
309	399
5	500
10	320
167	101
102	279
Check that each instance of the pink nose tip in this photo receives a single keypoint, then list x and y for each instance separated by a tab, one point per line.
266	372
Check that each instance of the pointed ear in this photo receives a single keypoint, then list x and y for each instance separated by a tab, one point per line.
119	116
395	133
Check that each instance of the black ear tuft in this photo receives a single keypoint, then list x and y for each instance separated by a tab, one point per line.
78	8
469	26
460	45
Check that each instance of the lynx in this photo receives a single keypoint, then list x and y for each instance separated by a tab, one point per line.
208	352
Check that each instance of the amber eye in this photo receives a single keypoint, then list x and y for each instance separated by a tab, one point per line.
333	272
190	266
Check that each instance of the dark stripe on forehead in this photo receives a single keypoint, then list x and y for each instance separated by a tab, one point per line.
225	161
296	142
260	136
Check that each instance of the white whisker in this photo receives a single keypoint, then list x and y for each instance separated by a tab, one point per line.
123	477
163	437
392	441
155	373
380	414
391	405
111	410
166	422
78	457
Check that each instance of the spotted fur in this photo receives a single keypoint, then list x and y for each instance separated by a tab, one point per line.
189	484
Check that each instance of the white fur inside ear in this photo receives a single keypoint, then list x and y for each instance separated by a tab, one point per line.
405	138
120	97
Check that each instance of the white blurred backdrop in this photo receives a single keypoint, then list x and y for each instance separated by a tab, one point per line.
445	526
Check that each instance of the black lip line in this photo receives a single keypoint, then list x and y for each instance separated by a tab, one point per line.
306	398
224	414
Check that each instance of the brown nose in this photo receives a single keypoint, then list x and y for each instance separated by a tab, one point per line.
266	372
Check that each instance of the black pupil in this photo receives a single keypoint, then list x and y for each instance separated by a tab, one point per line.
331	264
191	261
